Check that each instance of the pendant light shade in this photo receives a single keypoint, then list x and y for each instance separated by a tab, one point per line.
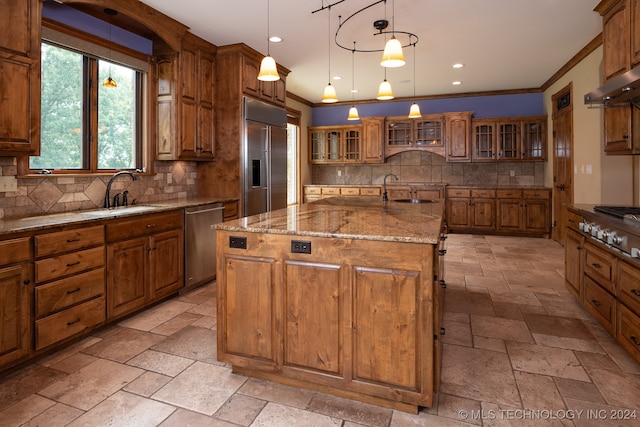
353	113
414	111
268	70
110	83
392	56
329	96
384	92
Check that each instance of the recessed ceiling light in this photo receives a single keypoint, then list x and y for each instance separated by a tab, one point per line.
337	77
456	83
354	90
405	81
275	39
458	65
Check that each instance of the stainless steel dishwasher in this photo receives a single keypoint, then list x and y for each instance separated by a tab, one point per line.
200	243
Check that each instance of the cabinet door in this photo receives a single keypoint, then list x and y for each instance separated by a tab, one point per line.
509	141
615	41
622	130
317	146
536	215
280	92
573	253
352	145
372	144
165	263
509	216
458	137
534	141
16	288
250	71
20	82
428	131
484	140
334	145
483	214
398	132
458	213
205	146
126	276
634	11
395	192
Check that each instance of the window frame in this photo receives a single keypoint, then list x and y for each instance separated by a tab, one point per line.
144	97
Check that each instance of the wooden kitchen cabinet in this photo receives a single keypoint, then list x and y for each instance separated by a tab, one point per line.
403	134
268	91
20	83
16	290
509	139
70	283
458	137
573	262
333	144
144	261
417	191
373	140
471	209
186	102
524	211
484	140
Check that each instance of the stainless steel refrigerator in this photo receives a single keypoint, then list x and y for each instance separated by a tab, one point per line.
264	152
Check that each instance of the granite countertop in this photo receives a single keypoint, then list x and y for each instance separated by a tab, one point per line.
39	222
366	218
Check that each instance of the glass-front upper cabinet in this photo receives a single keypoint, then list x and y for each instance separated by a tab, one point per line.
484	140
509	140
429	131
317	146
534	139
335	144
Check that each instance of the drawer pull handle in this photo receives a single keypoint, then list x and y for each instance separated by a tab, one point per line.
150	225
442	331
635	340
72	240
635	292
595	302
73	321
73	291
596	265
71	264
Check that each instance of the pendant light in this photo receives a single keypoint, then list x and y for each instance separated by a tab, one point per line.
329	95
110	82
414	111
384	91
268	70
353	111
392	55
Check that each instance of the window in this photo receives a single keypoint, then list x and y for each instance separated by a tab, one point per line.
87	127
292	164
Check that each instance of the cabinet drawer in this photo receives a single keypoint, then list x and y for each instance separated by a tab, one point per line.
69	240
535	194
628	333
63	293
15	250
573	220
370	191
334	191
63	265
312	190
629	286
142	226
601	304
509	194
456	192
350	191
486	194
230	209
67	323
599	265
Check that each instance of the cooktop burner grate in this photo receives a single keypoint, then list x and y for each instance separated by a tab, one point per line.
618	211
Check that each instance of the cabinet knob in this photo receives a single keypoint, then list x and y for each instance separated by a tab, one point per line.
635	292
595	302
635	340
26	281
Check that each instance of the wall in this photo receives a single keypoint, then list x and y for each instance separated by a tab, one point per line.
35	196
611	179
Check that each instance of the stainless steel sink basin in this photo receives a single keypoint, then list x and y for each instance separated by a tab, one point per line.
124	210
416	201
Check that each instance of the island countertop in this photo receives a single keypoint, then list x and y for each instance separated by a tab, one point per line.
366	218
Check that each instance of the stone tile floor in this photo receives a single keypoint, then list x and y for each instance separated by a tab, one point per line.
518	350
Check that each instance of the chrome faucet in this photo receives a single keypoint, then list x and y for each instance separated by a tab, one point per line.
384	185
107	202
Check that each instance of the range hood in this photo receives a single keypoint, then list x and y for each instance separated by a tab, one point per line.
619	90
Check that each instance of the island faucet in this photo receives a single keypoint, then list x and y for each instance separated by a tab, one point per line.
384	185
107	202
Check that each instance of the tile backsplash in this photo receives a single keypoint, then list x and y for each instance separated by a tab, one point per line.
425	167
35	196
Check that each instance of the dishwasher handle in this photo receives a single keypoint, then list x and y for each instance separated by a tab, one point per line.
205	210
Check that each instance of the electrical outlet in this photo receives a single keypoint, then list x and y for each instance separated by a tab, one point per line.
512	173
300	247
339	172
237	242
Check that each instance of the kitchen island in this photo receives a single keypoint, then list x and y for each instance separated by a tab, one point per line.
342	296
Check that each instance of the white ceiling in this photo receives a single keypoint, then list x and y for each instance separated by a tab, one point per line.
504	44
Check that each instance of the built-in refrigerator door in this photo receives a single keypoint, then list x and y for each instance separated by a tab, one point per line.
278	168
256	168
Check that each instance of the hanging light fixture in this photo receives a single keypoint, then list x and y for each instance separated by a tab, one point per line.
353	111
268	69
392	55
414	111
109	82
329	95
384	91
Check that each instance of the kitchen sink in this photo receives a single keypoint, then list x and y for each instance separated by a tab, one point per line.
123	210
416	201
